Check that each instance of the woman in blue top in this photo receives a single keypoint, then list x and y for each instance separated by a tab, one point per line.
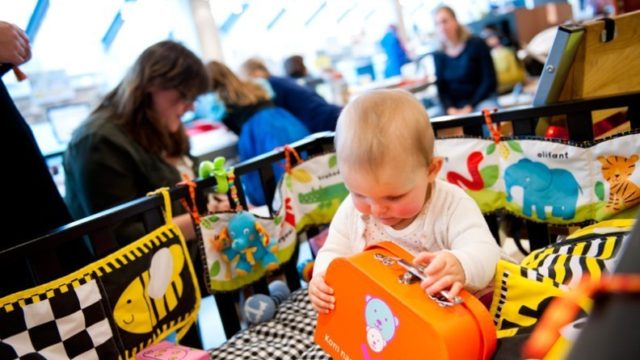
466	78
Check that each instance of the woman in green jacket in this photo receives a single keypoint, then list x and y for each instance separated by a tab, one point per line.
134	140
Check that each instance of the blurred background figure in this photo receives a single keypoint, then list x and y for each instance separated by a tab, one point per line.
254	68
295	69
34	203
509	70
466	78
306	105
260	125
134	141
395	50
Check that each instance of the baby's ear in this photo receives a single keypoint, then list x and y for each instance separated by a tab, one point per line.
435	167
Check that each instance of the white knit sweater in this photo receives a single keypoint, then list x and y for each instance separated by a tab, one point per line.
450	220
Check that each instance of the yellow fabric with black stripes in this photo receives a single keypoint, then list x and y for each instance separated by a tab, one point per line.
523	291
588	251
122	303
520	297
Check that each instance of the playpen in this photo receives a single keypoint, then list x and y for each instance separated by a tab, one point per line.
151	211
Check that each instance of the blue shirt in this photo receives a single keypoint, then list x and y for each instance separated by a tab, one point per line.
265	130
310	108
396	55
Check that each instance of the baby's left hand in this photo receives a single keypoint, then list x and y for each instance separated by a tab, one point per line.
444	272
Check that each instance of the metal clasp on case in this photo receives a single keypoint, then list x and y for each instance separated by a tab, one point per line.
414	274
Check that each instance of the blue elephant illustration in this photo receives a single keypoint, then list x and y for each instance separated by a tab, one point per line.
542	186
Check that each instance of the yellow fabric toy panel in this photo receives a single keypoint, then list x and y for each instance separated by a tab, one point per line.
523	292
110	309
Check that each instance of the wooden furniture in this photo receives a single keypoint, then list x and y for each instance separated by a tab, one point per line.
520	25
602	68
598	58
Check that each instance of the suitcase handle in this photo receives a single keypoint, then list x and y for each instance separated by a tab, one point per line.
414	272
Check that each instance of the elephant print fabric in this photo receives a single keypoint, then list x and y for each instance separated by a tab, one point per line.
472	164
545	180
543	187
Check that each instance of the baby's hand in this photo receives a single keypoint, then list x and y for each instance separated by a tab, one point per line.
321	294
444	272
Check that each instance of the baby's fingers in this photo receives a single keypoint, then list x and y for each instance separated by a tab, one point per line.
324	296
321	306
446	282
436	266
424	258
321	294
321	301
455	289
322	287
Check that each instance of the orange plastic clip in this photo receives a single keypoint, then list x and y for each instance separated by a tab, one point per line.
288	151
193	210
19	74
493	128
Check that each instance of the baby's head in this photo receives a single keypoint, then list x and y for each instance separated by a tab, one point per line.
384	128
384	143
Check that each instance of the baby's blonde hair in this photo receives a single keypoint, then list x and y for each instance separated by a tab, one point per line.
384	127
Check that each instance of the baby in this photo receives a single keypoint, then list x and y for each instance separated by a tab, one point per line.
384	144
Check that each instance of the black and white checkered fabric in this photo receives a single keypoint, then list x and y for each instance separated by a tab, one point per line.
71	325
288	336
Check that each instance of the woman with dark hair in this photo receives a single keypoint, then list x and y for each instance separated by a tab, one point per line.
466	78
260	125
134	141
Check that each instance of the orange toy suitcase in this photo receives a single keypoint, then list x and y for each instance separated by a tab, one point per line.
382	313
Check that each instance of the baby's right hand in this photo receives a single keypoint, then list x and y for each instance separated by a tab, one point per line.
321	295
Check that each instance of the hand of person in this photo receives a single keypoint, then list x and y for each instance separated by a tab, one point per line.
465	110
443	270
452	111
321	294
14	44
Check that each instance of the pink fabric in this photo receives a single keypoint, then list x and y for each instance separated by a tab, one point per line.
317	241
167	350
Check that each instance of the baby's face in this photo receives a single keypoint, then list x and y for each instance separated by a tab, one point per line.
394	196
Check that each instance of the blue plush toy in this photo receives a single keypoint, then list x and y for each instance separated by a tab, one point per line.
245	239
